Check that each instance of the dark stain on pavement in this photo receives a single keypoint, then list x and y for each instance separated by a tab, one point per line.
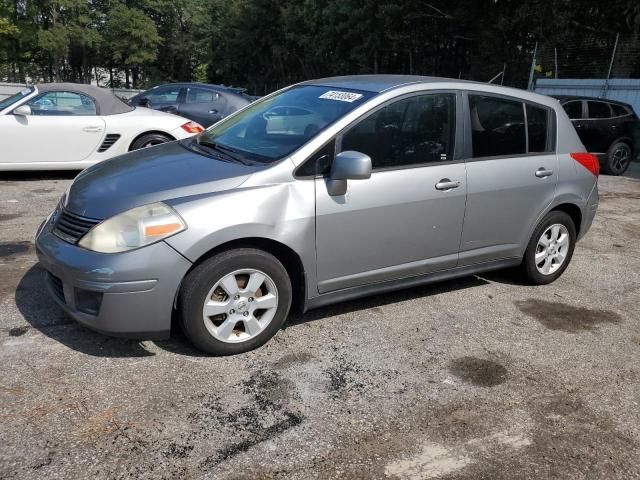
267	416
564	317
5	217
292	359
8	249
18	331
478	371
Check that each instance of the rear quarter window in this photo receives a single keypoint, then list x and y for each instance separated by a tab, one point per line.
619	110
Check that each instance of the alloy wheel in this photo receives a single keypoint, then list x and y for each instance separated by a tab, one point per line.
552	249
240	305
620	159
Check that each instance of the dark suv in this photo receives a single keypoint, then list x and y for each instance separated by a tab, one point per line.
201	102
607	128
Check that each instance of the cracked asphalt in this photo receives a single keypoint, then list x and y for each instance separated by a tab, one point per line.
478	378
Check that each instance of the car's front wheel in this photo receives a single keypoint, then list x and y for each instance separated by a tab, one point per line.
550	248
235	301
618	159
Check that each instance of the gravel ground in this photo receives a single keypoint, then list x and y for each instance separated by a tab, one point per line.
474	378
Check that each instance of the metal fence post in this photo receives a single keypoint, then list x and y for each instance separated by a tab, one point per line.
533	67
605	87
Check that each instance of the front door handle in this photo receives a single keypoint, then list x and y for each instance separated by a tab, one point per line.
93	128
446	184
543	172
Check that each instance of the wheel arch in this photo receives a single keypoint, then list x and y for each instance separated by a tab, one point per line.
285	254
150	132
573	211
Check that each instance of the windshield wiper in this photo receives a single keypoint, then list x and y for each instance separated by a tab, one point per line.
224	150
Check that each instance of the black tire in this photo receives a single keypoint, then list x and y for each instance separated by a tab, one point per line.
148	140
618	159
201	280
528	267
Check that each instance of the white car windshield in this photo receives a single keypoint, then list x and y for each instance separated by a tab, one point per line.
6	102
271	128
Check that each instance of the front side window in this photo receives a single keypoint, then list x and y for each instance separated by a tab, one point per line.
274	127
497	126
412	131
62	103
599	110
573	109
163	95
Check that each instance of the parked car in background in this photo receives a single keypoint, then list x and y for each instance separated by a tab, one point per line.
71	126
608	128
401	180
201	102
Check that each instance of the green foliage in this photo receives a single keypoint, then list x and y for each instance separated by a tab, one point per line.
265	44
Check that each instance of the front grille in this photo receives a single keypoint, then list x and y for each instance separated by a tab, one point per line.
56	286
108	141
71	227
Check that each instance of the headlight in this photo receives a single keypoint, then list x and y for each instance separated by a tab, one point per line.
134	228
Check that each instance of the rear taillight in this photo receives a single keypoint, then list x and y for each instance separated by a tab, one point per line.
192	127
588	161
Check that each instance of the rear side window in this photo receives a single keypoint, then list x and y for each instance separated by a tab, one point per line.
411	131
538	129
201	95
573	109
497	126
599	110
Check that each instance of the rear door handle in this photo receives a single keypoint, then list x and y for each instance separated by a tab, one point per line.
92	128
543	172
446	184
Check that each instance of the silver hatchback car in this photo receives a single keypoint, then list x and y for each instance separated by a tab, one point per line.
324	191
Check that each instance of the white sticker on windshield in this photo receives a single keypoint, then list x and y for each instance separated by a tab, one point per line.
25	92
341	96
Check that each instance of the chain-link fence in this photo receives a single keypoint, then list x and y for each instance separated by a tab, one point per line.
602	57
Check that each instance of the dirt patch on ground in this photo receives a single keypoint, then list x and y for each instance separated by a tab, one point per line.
478	371
565	317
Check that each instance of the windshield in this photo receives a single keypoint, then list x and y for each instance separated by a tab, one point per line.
14	98
271	128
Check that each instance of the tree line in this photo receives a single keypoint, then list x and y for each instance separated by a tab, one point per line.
264	44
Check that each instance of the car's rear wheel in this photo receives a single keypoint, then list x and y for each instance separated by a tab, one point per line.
618	159
550	248
149	140
235	301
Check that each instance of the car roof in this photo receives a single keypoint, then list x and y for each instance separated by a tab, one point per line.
209	86
584	97
384	83
106	102
379	83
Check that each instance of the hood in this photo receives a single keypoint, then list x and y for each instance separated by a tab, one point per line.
153	174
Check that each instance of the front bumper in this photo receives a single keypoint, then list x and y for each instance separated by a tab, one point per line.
129	294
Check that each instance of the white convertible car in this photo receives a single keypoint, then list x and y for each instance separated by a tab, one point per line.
71	126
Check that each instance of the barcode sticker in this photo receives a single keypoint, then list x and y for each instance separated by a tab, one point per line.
341	96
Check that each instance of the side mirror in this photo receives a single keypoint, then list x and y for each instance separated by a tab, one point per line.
144	102
23	110
349	165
